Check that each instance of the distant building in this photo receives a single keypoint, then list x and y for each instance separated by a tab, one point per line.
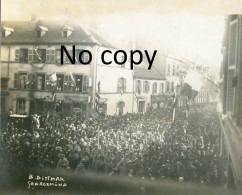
176	69
30	59
150	88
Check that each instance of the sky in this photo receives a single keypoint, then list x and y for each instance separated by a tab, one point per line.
188	28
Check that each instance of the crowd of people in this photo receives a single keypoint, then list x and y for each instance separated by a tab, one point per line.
145	145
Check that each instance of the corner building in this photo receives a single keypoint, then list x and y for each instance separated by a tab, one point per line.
31	55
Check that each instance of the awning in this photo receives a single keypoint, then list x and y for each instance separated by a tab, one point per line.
76	98
18	116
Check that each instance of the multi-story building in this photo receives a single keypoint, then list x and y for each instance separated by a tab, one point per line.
177	69
231	112
150	88
172	74
38	82
114	85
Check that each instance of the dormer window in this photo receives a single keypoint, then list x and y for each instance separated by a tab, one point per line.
6	31
67	31
64	33
40	31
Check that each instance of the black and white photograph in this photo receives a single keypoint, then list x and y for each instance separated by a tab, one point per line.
121	97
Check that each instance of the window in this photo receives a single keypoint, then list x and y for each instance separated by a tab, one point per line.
37	55
168	87
161	87
138	86
21	55
21	105
50	56
84	83
32	56
154	88
58	56
85	57
41	55
177	71
22	80
49	86
31	82
120	106
172	87
38	32
59	82
40	85
68	83
64	33
78	79
65	58
121	85
146	86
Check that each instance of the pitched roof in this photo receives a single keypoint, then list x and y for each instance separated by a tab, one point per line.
24	33
144	73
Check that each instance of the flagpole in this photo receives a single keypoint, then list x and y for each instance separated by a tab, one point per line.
174	113
174	108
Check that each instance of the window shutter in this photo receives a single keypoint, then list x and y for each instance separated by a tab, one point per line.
14	106
84	83
232	58
30	55
58	57
17	55
47	82
48	55
15	84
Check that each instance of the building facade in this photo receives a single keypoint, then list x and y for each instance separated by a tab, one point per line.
231	109
150	89
39	82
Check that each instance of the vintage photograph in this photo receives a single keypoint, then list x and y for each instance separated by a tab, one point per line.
121	97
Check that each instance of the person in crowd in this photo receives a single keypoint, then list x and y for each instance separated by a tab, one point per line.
145	145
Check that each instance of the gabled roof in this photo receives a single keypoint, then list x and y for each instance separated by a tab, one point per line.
24	33
41	28
144	73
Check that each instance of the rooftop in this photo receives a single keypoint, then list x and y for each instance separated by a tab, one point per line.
24	33
144	73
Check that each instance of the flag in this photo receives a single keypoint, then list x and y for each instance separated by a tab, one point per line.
192	84
53	97
36	51
72	78
53	77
